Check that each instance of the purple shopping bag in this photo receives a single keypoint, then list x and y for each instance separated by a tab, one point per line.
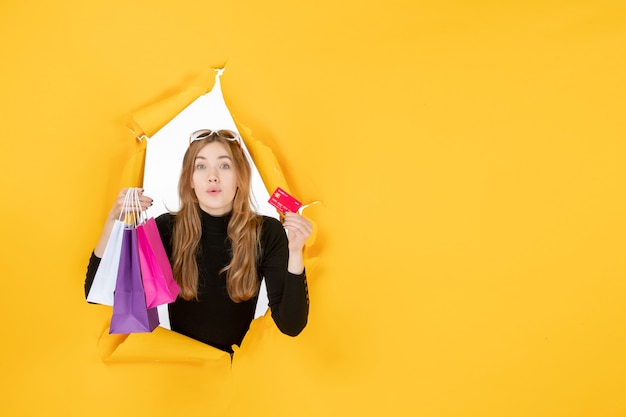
156	271
130	313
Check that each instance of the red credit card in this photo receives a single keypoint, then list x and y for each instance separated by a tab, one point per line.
284	202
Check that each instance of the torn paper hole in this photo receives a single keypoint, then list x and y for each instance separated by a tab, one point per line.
164	155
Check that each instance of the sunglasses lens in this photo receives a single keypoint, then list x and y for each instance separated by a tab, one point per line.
203	134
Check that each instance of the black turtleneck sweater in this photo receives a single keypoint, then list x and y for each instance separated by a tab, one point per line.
215	319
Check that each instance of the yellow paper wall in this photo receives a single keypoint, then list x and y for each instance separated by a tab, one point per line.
470	160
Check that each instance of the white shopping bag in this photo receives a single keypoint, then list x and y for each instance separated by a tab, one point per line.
101	291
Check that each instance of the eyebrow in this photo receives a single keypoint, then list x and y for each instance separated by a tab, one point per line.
219	157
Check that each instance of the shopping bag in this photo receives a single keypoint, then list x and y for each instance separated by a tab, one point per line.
156	271
103	286
130	313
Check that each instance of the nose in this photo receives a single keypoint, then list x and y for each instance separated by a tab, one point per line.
212	177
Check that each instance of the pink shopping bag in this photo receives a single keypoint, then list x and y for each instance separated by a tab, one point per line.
156	271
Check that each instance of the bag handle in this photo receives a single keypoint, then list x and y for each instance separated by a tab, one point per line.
140	215
131	213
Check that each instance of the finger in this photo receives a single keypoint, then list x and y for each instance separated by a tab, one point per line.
146	201
299	223
122	205
297	231
296	218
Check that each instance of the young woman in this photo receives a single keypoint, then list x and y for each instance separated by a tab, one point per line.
220	249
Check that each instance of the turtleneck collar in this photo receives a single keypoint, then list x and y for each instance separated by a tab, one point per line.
214	224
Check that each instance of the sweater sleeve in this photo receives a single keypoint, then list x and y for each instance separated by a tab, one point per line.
94	262
287	293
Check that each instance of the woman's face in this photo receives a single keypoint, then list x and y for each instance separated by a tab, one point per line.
214	179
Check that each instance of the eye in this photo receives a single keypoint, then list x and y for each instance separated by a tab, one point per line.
225	166
200	166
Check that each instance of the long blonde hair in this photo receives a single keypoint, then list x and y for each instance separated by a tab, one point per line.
243	228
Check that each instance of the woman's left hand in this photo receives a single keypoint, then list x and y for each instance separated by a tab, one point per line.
299	230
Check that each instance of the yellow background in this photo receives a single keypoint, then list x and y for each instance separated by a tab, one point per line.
469	155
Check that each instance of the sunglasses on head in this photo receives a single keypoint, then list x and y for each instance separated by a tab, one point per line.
229	135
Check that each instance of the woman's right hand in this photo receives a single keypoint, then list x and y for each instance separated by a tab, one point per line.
118	206
115	214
